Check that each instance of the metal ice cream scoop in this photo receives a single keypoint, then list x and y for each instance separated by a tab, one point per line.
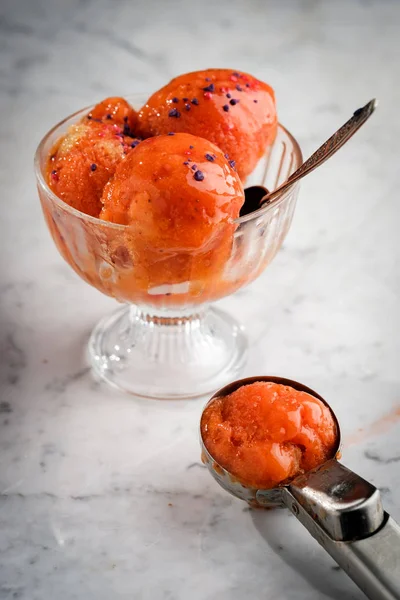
256	196
340	509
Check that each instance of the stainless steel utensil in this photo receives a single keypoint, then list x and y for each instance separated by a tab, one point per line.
340	509
256	196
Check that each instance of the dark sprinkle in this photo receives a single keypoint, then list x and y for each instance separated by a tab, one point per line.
247	85
233	101
185	99
194	167
125	119
135	143
174	113
209	88
228	96
187	106
236	74
239	88
89	117
108	116
186	162
195	101
357	112
209	157
127	130
175	99
232	164
170	133
93	167
54	172
225	107
226	156
199	176
255	101
191	147
208	79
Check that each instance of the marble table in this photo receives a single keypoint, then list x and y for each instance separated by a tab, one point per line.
103	496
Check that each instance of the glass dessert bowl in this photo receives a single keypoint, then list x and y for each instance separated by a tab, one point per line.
166	341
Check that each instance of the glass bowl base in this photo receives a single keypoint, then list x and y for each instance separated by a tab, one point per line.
167	357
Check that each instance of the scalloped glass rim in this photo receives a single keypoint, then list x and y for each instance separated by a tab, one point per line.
131	97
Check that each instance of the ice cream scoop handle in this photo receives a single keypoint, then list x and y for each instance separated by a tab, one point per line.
374	562
344	513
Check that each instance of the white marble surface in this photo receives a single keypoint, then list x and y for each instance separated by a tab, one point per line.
102	496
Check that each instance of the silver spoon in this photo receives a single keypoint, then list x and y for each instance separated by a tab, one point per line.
340	509
257	195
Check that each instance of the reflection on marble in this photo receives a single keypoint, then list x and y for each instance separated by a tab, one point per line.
103	496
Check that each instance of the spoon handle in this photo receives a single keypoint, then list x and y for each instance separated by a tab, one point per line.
328	148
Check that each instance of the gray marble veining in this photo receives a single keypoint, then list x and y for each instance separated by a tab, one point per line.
102	496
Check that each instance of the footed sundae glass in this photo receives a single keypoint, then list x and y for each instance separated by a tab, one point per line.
166	340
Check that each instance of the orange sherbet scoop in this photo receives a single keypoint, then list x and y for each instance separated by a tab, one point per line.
265	434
